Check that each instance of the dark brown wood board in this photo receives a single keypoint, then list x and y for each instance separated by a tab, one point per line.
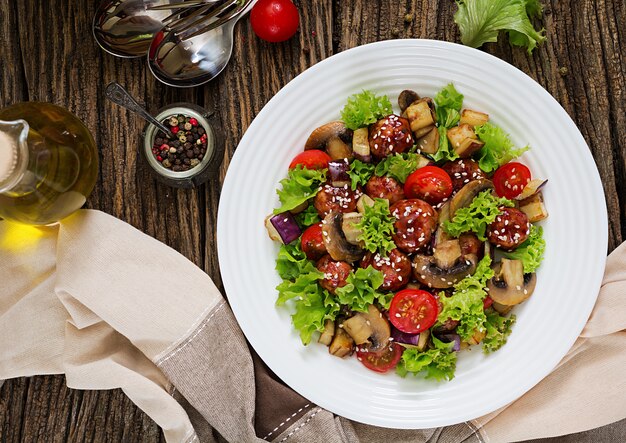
47	53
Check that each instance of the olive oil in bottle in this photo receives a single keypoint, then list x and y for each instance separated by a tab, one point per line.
48	163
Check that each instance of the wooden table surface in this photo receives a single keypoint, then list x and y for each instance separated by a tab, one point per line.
47	53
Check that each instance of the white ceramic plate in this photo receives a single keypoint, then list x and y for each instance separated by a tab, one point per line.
568	281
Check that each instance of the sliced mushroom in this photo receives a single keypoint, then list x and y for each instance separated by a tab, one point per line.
348	226
464	140
534	208
335	240
421	114
428	272
329	332
407	97
329	134
501	309
369	328
473	118
447	253
510	286
429	143
342	344
467	193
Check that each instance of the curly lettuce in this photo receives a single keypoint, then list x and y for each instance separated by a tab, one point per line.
531	251
498	329
365	108
480	21
400	166
498	148
312	311
438	363
376	227
448	104
300	185
360	173
308	217
477	216
466	303
291	261
361	289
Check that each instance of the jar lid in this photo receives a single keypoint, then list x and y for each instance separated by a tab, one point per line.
12	135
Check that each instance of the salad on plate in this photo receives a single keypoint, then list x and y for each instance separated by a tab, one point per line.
407	238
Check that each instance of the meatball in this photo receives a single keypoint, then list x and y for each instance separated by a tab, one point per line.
509	230
330	198
385	187
390	135
396	268
335	273
463	171
415	223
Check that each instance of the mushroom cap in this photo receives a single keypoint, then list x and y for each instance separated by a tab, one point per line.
369	328
335	240
406	98
427	272
510	286
321	136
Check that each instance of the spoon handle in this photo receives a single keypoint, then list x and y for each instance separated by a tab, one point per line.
120	96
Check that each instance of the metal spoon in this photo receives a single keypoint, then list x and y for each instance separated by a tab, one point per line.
120	96
125	28
196	52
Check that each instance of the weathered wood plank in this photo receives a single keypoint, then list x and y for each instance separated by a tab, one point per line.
583	65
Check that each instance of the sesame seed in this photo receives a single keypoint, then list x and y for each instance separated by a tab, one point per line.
398	315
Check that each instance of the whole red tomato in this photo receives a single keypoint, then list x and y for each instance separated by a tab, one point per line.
275	20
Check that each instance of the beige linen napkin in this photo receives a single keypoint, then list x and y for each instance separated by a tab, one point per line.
99	301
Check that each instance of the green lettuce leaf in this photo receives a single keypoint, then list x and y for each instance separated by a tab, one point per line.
360	290
531	251
480	21
477	216
308	217
448	102
384	299
365	108
400	166
376	227
498	329
438	363
360	173
466	303
444	153
290	261
312	311
498	149
305	283
300	185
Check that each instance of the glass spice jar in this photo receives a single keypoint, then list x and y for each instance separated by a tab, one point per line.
192	157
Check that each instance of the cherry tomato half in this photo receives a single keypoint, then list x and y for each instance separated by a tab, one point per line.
312	242
381	361
510	179
312	159
413	310
275	20
430	183
487	302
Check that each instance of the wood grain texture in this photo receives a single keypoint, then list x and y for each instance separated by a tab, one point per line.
48	54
